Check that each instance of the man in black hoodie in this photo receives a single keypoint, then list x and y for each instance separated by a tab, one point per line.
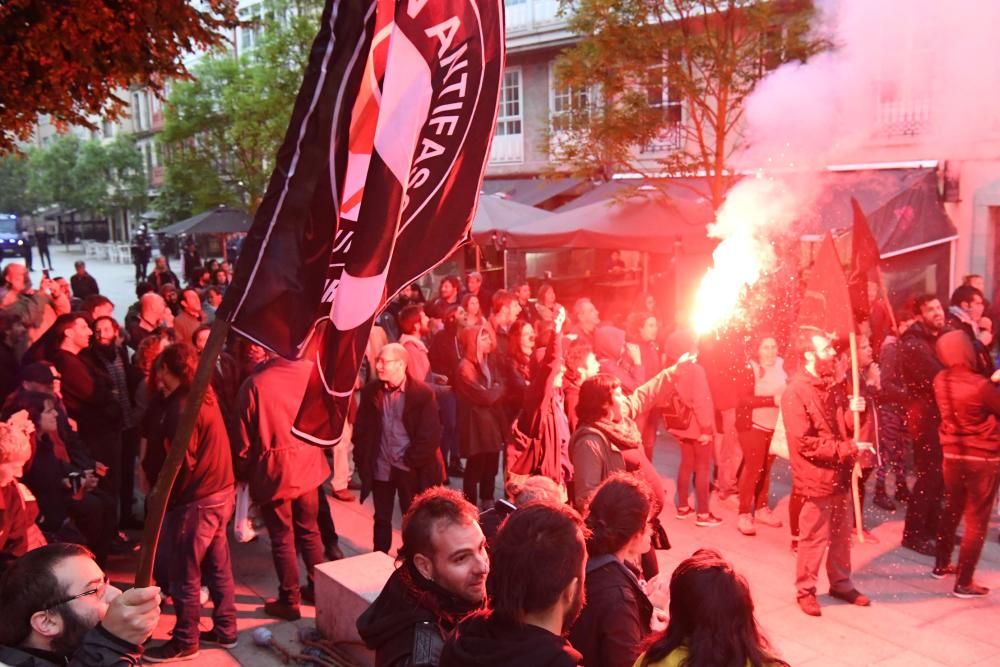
441	577
918	364
536	589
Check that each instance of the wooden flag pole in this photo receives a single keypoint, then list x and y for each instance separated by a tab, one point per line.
856	471
157	500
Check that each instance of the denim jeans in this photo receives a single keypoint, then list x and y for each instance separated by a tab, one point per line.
970	487
755	474
696	459
194	535
294	531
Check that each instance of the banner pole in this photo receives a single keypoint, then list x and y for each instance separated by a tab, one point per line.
885	297
856	471
157	499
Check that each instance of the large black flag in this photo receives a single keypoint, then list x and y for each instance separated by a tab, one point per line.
402	201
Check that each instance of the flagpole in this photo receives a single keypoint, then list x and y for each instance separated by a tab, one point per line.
856	471
157	499
885	297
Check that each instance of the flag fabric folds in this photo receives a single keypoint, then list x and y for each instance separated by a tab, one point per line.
864	259
826	303
377	183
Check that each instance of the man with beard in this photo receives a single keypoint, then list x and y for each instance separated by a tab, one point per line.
109	353
918	365
443	565
60	610
537	593
822	457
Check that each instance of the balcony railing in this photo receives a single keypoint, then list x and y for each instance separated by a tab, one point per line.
671	139
899	119
507	149
527	15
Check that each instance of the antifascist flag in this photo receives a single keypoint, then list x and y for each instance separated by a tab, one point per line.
826	303
864	260
420	129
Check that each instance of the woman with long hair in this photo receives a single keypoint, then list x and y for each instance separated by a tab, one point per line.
473	311
618	615
482	426
200	505
711	620
546	307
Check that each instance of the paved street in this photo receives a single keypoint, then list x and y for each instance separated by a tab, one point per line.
912	621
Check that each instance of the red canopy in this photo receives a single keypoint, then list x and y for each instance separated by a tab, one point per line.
645	221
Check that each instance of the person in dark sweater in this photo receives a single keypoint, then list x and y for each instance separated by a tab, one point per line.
536	584
200	505
970	439
443	565
618	615
82	283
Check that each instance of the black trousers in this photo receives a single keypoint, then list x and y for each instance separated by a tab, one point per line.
481	476
924	508
384	497
970	488
293	529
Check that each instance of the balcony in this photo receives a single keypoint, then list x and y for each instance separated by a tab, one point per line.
507	149
901	120
528	15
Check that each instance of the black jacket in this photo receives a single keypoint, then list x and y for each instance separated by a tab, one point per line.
422	423
100	648
482	640
610	631
408	600
918	364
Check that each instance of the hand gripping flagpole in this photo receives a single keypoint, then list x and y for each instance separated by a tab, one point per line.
157	500
856	471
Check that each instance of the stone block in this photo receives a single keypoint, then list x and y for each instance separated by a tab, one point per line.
344	589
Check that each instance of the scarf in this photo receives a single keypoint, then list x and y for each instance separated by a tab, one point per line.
447	607
624	434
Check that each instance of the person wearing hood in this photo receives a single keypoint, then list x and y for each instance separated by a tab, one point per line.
642	331
918	364
441	577
482	424
970	440
965	314
537	593
696	438
618	616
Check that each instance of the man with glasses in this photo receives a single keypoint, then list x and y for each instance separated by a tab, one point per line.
59	609
396	440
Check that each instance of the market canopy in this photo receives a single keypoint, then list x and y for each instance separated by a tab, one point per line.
645	220
536	191
220	220
903	207
496	214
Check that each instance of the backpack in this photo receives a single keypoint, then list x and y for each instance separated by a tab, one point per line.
677	414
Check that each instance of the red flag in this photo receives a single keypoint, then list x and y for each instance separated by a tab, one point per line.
864	260
826	303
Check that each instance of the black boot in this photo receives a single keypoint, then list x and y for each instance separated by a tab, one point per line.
882	499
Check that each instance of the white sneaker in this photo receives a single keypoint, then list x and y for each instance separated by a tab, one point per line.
204	595
744	524
765	517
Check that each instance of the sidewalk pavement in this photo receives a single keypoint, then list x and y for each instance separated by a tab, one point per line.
912	620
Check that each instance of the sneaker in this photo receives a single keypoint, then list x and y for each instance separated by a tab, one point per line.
707	520
732	501
973	590
809	605
852	597
343	495
744	524
765	516
684	512
884	501
212	637
169	651
942	571
283	610
203	596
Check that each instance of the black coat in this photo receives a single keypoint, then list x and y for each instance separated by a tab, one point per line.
918	364
99	647
422	423
482	640
611	629
482	421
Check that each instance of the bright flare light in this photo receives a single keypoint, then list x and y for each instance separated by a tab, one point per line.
755	210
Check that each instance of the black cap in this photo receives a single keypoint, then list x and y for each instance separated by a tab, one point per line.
38	373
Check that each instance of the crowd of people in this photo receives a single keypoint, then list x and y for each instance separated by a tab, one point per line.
467	388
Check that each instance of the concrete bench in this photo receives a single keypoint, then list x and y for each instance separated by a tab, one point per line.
344	590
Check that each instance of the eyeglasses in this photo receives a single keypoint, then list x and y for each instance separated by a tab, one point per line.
99	591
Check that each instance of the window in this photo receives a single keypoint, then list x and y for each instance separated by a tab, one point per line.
661	95
509	118
139	112
250	26
107	129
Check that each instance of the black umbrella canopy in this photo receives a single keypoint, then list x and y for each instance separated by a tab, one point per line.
220	220
497	214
